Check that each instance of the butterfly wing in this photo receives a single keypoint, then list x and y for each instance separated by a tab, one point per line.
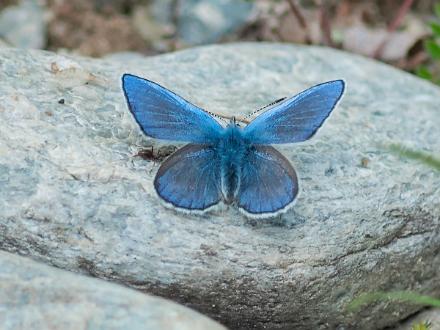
164	115
268	183
298	118
190	178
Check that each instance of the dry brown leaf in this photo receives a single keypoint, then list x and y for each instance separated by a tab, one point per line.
365	40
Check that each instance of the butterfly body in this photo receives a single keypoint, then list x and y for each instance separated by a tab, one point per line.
232	164
232	149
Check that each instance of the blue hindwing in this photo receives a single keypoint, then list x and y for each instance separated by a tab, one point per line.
164	115
297	119
190	178
268	183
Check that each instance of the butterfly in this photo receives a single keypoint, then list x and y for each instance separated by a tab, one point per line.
229	163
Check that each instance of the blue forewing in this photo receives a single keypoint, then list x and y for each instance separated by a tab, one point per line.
298	118
164	115
193	176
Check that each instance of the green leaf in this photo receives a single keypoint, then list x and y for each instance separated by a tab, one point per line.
435	27
423	72
433	49
437	9
399	296
417	155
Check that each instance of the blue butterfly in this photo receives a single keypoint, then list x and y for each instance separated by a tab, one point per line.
229	164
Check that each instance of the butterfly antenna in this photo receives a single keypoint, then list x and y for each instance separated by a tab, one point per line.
219	116
245	120
265	107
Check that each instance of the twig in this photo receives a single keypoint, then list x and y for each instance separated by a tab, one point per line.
413	61
175	15
325	24
406	5
395	23
300	17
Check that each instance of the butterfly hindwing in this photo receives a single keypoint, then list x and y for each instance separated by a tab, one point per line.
296	119
268	183
190	178
164	115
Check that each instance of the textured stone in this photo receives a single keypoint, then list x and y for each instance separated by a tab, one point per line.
203	21
73	193
36	296
24	25
430	316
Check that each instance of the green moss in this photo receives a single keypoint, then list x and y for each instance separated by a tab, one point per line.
420	156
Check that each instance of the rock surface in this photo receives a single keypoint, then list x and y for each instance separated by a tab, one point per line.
206	21
430	316
24	25
73	194
202	21
36	296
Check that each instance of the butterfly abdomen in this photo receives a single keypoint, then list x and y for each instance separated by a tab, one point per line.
232	149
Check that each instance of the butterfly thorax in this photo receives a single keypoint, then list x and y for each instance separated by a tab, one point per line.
232	149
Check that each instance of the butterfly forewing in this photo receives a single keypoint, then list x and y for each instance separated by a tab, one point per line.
164	115
296	119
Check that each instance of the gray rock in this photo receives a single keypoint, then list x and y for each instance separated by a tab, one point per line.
24	25
36	296
203	21
430	316
163	10
124	57
4	44
74	195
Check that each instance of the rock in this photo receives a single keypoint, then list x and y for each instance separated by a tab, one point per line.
158	33
203	21
124	57
430	316
4	44
74	195
36	296
24	25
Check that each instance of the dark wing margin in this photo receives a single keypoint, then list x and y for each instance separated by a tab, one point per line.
268	183
162	114
298	118
190	178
